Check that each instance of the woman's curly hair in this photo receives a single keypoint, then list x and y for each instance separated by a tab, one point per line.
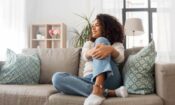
111	28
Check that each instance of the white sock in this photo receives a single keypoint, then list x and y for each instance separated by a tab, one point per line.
93	99
121	92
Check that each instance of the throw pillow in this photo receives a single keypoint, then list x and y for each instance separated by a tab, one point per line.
20	69
138	71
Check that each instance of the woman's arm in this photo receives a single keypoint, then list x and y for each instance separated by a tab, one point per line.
116	51
120	49
86	48
101	51
89	53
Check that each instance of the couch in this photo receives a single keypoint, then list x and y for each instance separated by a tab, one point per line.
67	60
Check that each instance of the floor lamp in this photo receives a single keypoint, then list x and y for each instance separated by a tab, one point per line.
133	27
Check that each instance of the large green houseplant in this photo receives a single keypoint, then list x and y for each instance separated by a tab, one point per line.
82	36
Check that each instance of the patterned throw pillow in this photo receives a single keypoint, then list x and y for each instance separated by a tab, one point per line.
20	69
138	71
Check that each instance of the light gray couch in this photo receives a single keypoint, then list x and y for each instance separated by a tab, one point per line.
67	60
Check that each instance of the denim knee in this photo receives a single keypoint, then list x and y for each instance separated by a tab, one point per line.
102	40
57	79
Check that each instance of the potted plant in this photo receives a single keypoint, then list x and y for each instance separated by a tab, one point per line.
83	36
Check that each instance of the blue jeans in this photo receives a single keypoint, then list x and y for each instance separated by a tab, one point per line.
74	85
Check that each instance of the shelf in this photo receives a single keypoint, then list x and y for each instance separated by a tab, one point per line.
44	39
40	36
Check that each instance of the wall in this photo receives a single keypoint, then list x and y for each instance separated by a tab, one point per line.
54	11
30	17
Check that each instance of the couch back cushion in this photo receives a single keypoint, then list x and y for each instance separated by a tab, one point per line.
56	60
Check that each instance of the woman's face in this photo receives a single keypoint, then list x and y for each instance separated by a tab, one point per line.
96	29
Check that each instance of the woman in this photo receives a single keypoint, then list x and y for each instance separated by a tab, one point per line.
101	74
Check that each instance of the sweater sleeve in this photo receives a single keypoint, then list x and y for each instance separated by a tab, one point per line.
120	48
87	45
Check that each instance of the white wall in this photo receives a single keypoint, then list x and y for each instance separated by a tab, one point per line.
30	8
54	11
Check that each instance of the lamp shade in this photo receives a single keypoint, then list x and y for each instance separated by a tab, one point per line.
133	26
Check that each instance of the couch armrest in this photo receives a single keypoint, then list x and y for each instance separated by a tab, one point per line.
165	82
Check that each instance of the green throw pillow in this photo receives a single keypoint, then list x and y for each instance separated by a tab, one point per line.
138	71
20	69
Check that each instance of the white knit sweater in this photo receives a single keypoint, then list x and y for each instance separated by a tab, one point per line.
88	65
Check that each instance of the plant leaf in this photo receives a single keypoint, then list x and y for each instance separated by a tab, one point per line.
82	37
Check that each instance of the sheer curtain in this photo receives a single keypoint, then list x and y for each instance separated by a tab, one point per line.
12	26
166	34
112	7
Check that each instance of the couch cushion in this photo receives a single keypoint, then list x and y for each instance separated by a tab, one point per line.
25	94
59	99
56	60
138	71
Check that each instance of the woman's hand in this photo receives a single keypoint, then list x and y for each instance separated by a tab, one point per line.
101	51
89	53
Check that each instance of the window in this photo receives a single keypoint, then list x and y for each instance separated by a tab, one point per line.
146	11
